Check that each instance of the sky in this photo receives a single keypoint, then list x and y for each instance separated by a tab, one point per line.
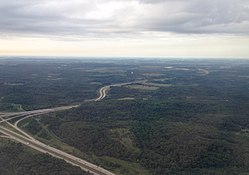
125	28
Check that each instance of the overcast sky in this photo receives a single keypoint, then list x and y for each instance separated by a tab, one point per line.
165	28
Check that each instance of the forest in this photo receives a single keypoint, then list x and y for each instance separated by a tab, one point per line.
188	117
16	159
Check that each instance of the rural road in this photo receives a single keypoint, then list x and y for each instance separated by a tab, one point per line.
26	139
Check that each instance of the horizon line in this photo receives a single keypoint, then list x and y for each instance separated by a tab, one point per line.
119	57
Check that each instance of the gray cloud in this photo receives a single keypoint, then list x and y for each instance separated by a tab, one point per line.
196	16
100	18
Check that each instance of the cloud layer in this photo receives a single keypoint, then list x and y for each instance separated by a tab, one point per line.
101	18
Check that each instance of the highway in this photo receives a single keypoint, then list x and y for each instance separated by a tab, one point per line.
104	90
29	141
37	145
102	93
10	116
26	139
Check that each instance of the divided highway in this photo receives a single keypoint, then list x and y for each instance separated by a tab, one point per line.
104	90
103	93
37	145
26	139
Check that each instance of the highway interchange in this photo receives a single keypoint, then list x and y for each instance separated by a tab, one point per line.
15	133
